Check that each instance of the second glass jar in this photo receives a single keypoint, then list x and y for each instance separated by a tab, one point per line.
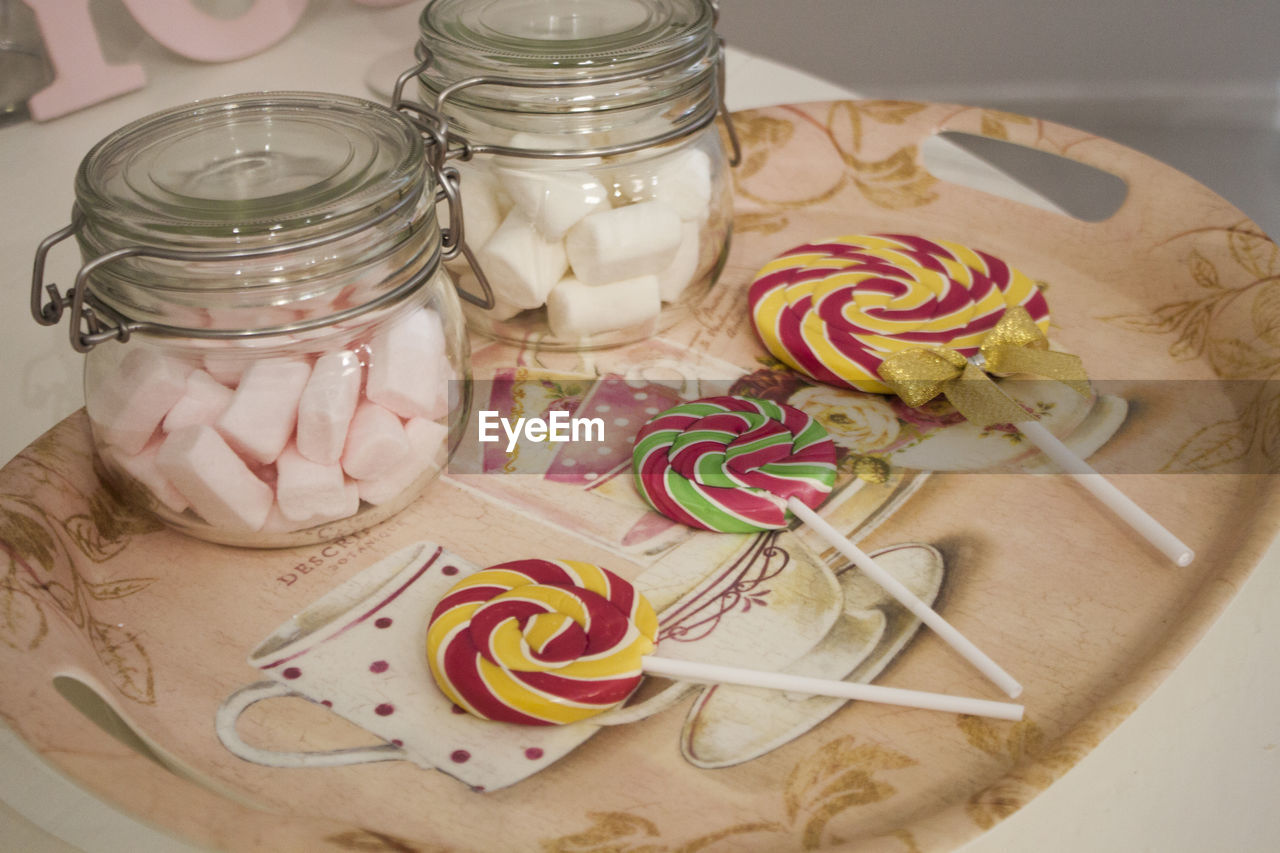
594	186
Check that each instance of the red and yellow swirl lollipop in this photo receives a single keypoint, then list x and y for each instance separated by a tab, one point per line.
835	309
540	642
893	313
551	642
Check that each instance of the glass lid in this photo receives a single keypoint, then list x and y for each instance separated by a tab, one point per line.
259	168
565	38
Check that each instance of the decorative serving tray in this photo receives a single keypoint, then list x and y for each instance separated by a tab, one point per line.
281	700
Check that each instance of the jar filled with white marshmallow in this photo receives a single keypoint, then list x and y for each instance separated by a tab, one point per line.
275	353
581	138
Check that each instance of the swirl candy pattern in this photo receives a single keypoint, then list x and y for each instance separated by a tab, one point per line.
835	309
540	642
730	464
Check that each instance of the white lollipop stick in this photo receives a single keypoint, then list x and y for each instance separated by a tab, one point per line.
1119	503
908	599
706	673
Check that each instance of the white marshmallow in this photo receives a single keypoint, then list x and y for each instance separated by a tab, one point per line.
208	473
327	403
376	443
553	201
500	311
484	204
521	265
428	447
577	310
306	489
683	181
260	419
628	186
623	242
673	280
204	400
142	467
128	405
407	366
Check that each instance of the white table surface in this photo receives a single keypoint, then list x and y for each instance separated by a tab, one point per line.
1194	768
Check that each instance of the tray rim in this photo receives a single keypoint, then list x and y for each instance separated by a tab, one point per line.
1200	612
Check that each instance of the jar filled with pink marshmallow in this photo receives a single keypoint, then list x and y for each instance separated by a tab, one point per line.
276	355
581	140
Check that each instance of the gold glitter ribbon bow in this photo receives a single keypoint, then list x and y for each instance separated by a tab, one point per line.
1014	345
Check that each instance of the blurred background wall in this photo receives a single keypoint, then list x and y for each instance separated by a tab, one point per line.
1191	82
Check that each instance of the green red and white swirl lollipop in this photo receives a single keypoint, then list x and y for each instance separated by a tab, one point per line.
731	464
738	465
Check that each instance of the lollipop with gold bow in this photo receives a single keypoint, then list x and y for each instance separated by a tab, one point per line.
922	318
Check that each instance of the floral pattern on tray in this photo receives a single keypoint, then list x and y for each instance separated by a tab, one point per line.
1177	285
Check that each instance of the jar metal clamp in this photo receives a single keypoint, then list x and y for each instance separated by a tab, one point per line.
92	322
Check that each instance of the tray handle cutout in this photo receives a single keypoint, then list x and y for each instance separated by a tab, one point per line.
1068	186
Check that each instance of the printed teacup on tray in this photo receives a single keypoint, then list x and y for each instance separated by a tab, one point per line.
360	651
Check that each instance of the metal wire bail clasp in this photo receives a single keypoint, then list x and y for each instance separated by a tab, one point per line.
87	328
49	313
434	127
93	322
735	147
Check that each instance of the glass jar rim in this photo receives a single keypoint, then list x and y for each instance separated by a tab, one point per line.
249	170
564	43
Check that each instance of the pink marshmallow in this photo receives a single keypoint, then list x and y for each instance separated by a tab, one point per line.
226	361
428	446
376	443
260	420
277	522
327	404
203	401
224	369
426	438
142	467
406	363
208	473
129	404
306	489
